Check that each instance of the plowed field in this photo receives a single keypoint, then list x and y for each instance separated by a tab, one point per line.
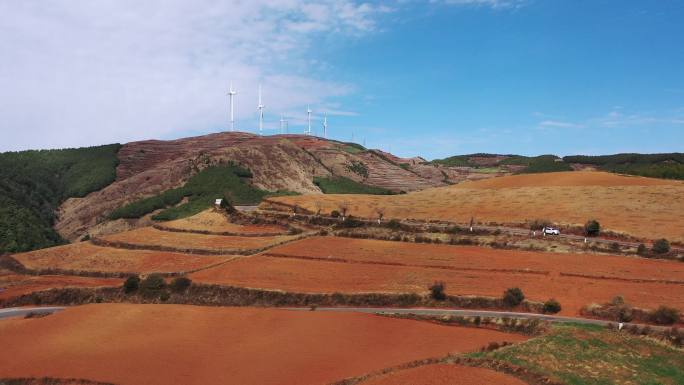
356	266
14	284
644	207
172	344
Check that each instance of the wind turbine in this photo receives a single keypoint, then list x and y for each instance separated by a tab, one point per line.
308	119
232	93
325	126
260	108
283	124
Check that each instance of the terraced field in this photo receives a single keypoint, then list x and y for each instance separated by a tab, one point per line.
353	266
15	284
444	374
643	207
86	257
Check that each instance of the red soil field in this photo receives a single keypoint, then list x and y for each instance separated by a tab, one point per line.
215	222
480	258
643	207
148	236
171	344
85	256
444	374
297	275
16	285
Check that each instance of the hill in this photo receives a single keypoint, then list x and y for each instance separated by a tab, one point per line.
667	166
643	207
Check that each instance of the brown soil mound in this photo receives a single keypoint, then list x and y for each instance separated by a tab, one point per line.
643	207
444	375
148	236
215	222
167	344
85	256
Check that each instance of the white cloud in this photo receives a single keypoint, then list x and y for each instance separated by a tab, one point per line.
559	124
80	72
496	4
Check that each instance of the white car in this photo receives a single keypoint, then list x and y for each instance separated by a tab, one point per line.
550	231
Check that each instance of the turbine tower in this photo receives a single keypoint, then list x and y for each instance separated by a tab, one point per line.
260	108
283	124
232	93
325	126
308	119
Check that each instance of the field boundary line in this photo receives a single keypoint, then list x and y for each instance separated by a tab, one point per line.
222	233
623	279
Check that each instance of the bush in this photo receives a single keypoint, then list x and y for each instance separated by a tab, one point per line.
335	214
551	306
180	284
661	246
641	249
592	228
615	247
153	282
131	284
437	291
513	297
665	315
393	224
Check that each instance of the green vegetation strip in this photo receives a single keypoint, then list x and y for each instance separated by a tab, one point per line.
592	355
227	182
342	185
34	183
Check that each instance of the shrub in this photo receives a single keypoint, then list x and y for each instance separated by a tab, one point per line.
437	291
641	249
665	315
164	296
153	282
661	246
615	247
131	284
335	214
513	297
592	228
538	224
180	284
551	306
393	224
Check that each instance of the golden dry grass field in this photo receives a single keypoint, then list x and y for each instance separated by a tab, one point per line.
85	256
215	222
642	207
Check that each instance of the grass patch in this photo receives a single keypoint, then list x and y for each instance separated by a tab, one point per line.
352	148
34	183
342	185
201	190
590	354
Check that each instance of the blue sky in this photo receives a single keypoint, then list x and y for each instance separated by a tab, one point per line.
418	78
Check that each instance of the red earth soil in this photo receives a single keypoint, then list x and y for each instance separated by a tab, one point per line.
469	257
314	276
216	222
16	285
444	374
171	344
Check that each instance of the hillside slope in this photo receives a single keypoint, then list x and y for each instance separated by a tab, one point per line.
643	207
278	162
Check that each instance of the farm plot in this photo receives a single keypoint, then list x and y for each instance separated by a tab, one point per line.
86	257
15	284
643	207
467	258
210	221
314	276
153	239
152	344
